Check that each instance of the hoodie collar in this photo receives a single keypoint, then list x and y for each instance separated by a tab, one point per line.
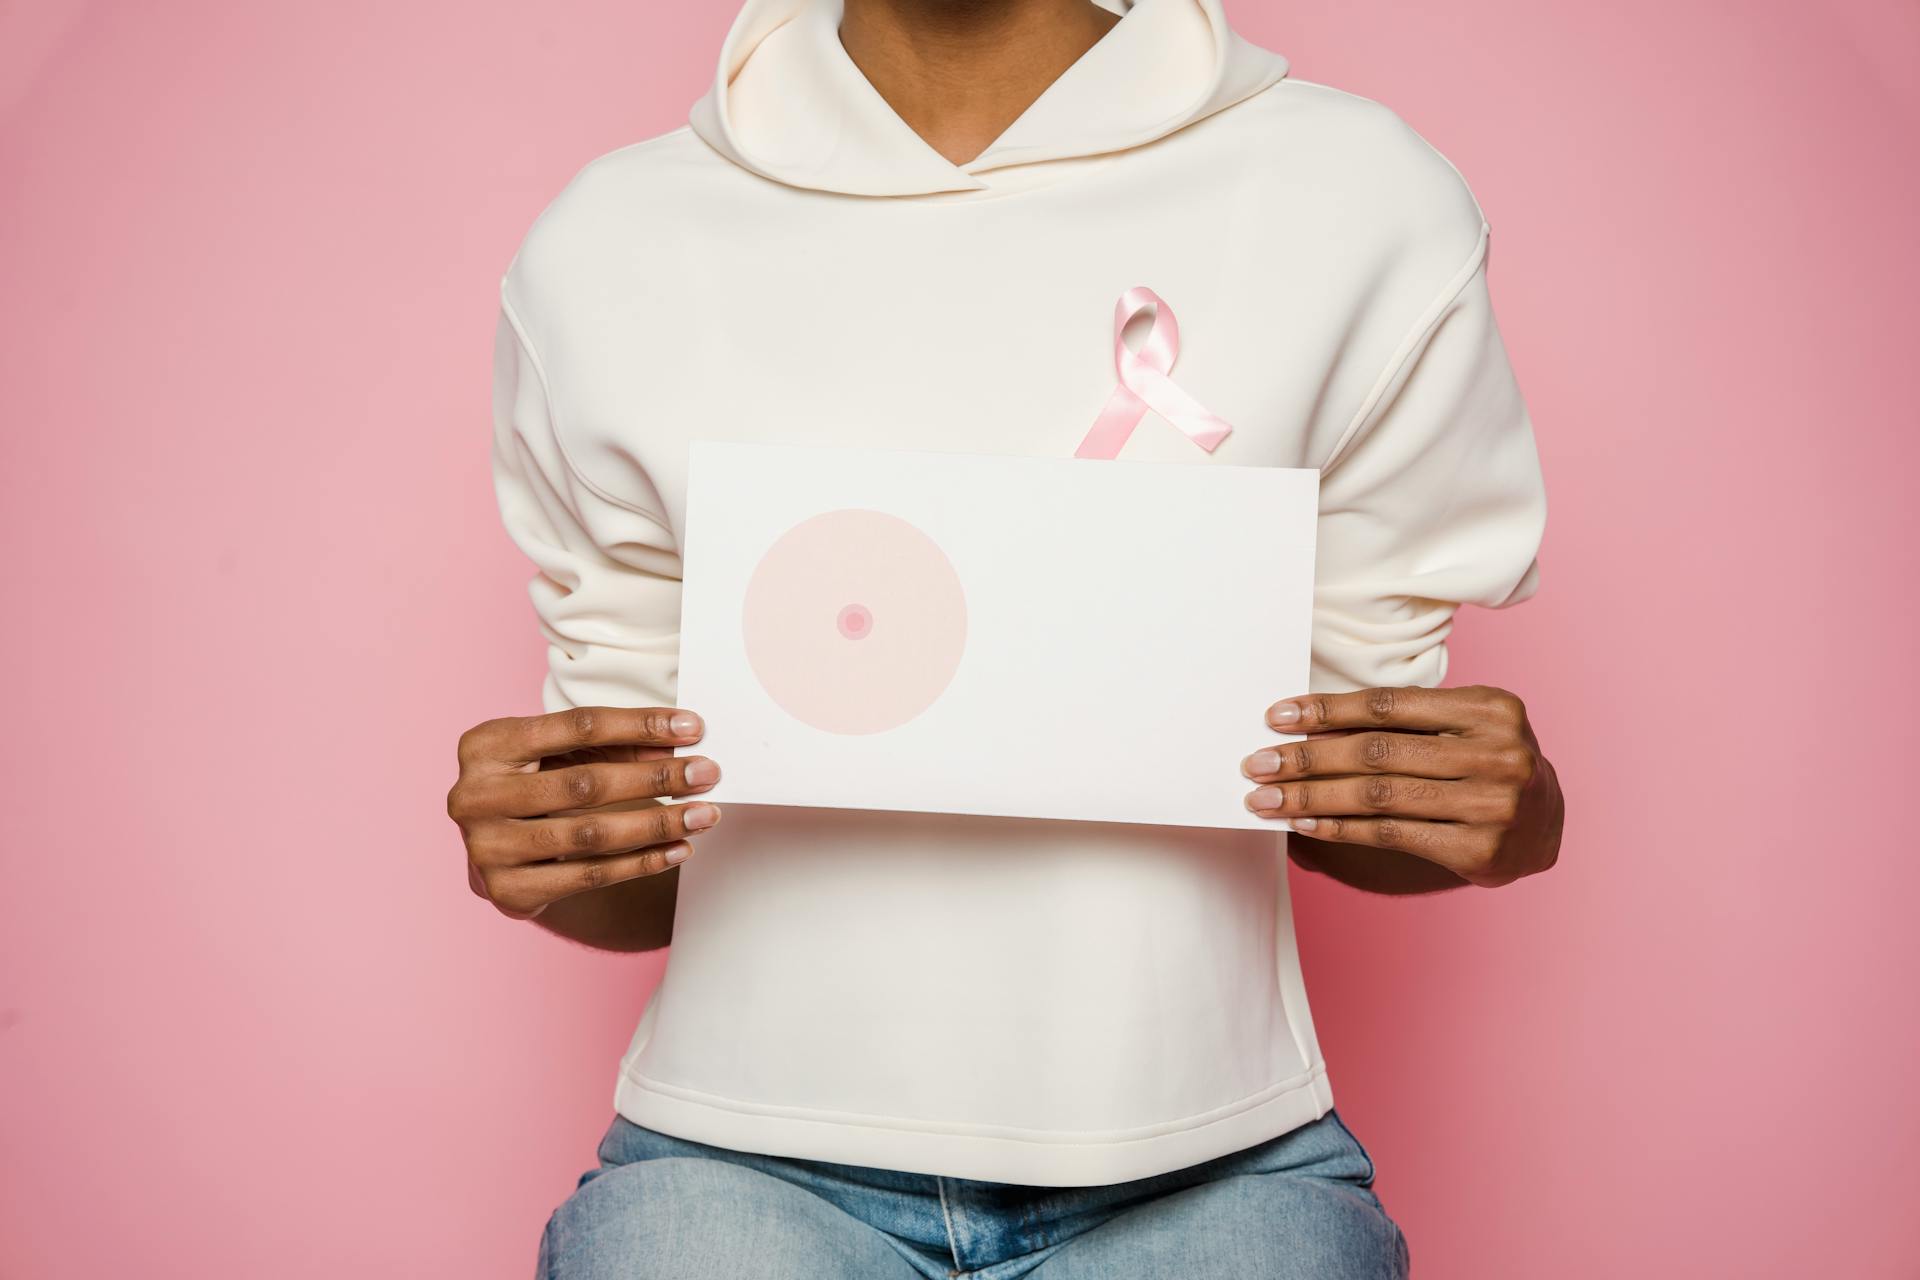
788	102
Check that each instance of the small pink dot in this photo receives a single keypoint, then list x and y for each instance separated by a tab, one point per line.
856	623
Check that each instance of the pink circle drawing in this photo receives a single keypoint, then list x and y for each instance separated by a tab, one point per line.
854	621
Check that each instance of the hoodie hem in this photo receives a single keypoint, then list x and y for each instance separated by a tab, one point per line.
978	1153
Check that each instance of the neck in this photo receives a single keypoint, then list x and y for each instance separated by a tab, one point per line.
960	71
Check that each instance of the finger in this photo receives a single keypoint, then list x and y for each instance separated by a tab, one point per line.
521	841
525	891
1419	755
1405	797
616	753
1432	710
525	739
589	786
1458	847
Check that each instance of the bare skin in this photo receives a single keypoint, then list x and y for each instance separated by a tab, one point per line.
1411	790
960	71
567	822
570	819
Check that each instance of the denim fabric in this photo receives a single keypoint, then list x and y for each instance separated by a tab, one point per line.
1298	1207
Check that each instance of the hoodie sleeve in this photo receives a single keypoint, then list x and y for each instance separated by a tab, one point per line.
606	593
1432	499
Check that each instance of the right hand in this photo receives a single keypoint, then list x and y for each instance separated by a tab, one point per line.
546	804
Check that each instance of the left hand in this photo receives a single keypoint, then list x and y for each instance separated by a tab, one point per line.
1453	776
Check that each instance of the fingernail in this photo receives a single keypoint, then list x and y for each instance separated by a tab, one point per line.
702	773
1261	762
1265	798
1305	824
678	853
699	816
1283	713
684	724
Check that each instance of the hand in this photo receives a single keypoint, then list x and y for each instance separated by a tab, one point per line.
1453	776
564	803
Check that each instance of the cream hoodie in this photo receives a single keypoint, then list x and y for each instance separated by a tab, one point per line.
1016	1000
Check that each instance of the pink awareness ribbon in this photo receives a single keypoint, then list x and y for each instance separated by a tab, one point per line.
1144	383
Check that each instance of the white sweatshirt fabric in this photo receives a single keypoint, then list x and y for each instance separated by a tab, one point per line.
1027	1001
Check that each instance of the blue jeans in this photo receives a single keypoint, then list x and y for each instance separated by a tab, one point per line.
1299	1207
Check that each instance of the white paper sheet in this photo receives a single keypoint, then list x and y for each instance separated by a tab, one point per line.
963	633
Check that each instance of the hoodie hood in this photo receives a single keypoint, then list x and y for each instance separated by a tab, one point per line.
788	102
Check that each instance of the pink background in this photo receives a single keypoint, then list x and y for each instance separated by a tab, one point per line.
251	1021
